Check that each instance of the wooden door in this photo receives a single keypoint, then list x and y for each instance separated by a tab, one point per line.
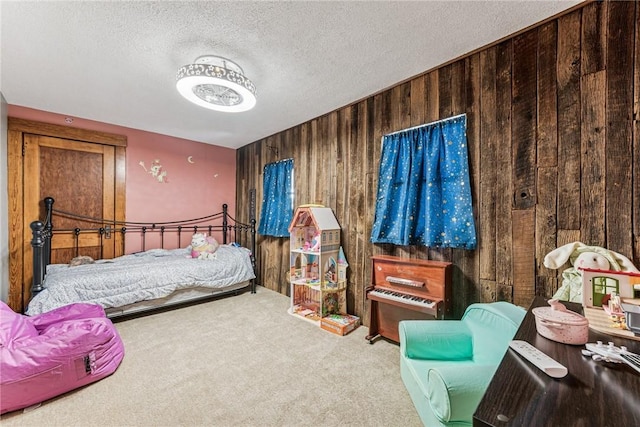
80	178
84	172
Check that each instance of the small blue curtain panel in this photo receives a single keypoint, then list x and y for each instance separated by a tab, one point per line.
424	196
277	199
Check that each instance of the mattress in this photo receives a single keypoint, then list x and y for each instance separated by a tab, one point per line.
144	276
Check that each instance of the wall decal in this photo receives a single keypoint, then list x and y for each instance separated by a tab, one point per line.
155	170
190	159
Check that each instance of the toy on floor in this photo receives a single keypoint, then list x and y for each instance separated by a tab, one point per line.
52	353
582	256
203	246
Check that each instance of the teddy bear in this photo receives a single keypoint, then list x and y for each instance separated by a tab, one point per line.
203	246
582	256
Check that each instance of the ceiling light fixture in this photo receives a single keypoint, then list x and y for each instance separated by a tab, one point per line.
216	83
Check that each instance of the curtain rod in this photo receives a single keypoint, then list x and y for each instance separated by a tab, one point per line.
279	161
427	124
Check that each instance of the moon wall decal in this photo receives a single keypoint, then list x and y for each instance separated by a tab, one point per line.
190	159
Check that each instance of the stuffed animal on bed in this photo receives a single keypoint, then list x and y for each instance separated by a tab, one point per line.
203	246
582	256
81	260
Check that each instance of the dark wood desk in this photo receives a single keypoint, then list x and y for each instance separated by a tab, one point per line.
592	394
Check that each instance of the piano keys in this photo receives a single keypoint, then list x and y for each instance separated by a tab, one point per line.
384	295
406	289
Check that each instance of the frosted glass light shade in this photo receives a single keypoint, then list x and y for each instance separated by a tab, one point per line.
216	83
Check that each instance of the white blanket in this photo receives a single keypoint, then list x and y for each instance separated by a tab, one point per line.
137	277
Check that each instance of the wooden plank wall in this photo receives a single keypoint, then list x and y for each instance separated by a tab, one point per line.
554	146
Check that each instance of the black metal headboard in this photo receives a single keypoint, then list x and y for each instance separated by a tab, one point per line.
232	231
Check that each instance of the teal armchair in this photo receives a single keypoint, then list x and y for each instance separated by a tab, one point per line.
446	365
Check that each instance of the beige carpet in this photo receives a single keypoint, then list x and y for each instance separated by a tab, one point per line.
238	361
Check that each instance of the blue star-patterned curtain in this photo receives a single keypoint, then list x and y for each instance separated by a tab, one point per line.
277	199
424	197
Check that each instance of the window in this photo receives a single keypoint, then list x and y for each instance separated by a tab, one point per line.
424	195
277	199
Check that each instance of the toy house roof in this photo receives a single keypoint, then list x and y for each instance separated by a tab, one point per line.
611	272
320	217
342	260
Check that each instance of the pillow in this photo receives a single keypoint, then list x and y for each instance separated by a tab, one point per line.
445	340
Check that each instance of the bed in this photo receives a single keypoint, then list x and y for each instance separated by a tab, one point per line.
151	279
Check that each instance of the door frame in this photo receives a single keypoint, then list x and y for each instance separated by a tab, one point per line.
20	259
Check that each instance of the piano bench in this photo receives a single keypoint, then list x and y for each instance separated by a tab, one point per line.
447	365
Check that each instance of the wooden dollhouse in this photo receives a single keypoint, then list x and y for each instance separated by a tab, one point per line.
598	283
318	267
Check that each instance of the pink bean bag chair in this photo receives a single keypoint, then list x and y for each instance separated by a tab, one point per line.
49	354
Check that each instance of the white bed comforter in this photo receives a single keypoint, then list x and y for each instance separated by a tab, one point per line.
137	277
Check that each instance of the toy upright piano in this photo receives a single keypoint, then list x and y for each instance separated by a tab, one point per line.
406	289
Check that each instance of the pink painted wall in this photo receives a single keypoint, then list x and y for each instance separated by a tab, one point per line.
190	190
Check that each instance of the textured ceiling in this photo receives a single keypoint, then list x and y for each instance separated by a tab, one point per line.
116	62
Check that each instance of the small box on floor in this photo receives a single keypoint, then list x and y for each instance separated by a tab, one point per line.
340	324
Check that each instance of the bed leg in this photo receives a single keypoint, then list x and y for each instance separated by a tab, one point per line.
37	247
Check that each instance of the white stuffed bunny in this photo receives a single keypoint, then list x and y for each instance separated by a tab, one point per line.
583	256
